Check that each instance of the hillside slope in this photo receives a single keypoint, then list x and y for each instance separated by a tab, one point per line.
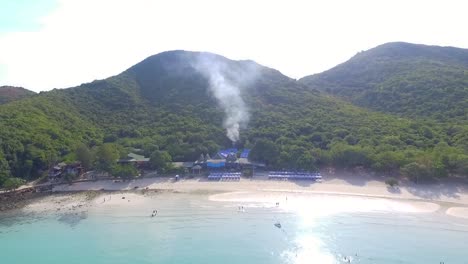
169	102
405	79
11	93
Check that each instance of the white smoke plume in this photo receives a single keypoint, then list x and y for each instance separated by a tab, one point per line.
226	85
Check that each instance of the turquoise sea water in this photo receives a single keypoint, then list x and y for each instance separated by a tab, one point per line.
192	229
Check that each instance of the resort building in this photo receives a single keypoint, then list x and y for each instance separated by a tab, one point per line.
139	161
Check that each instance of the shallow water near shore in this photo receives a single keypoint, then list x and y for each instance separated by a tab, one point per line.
193	229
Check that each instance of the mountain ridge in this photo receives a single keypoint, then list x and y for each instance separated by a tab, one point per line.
13	93
401	78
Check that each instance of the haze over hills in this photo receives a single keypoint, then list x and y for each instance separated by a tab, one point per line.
187	103
402	78
11	93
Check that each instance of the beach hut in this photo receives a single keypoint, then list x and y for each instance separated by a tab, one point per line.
138	161
231	157
196	169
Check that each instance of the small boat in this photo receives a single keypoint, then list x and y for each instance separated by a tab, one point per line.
278	225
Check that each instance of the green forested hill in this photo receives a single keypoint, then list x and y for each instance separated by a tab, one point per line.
405	79
11	93
165	103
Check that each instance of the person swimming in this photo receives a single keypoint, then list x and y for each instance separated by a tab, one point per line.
347	259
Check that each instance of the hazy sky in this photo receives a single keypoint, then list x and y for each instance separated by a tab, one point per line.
46	44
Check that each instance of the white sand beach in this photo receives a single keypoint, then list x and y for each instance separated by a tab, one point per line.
351	194
325	204
458	212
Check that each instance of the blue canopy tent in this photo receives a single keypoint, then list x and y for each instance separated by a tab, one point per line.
220	164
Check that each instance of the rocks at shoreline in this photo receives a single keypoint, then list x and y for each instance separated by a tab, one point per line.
19	199
73	219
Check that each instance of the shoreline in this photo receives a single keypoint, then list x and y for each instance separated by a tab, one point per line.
453	197
448	193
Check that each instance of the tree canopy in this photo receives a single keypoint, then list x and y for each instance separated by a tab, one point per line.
160	160
163	107
106	157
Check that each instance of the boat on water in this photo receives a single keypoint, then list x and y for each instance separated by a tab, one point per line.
278	224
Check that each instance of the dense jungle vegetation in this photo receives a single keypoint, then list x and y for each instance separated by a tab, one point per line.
11	93
163	108
404	79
